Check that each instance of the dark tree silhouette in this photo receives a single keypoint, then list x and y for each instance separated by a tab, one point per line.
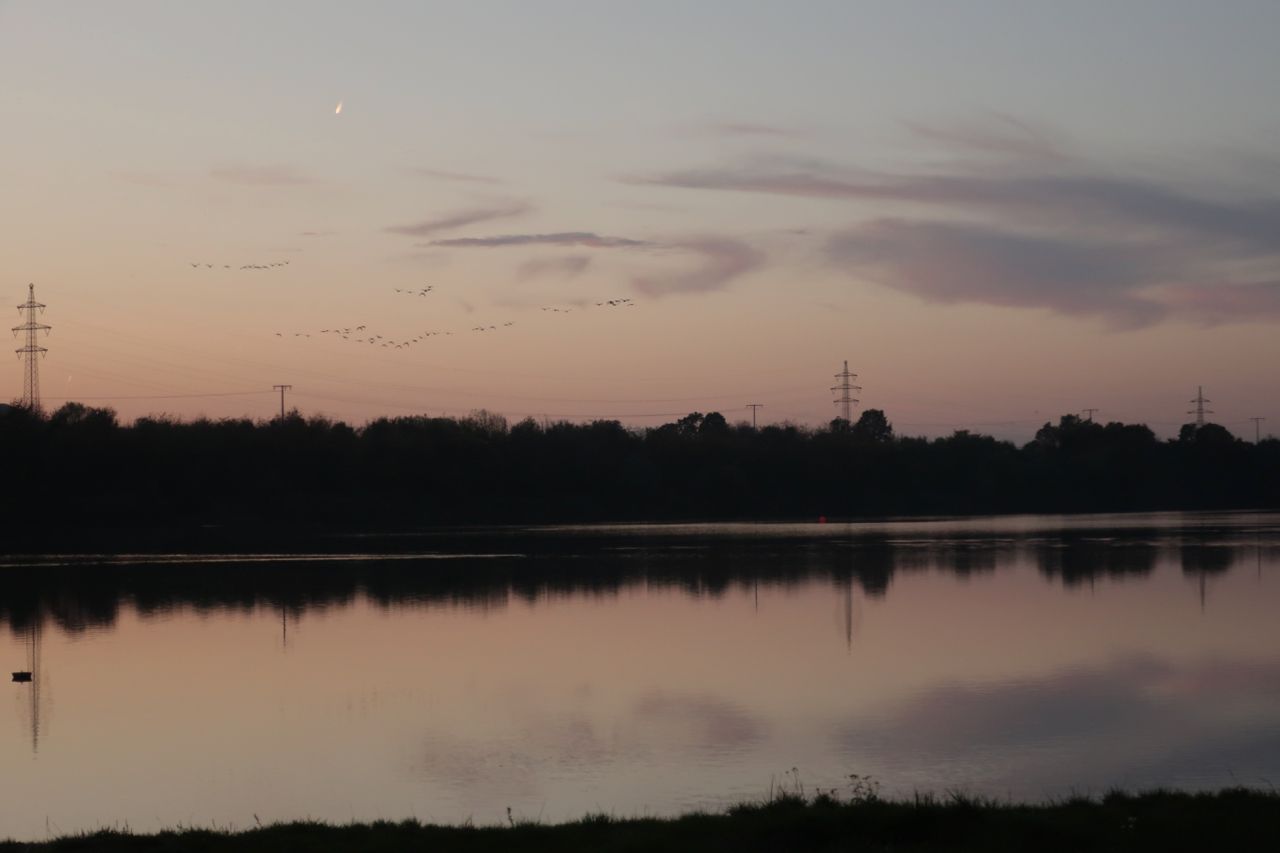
79	469
874	427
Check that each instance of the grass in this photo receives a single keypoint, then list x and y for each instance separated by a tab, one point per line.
1228	820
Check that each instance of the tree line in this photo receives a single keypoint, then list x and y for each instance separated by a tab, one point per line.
79	466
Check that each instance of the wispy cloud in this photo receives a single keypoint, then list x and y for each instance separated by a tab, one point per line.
995	133
458	177
1225	303
720	262
1072	198
1032	228
259	176
460	218
564	238
567	266
642	205
953	262
144	179
746	128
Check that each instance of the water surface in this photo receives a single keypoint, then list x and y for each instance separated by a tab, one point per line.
637	669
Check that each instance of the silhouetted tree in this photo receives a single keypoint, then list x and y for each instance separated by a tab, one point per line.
421	470
873	426
713	424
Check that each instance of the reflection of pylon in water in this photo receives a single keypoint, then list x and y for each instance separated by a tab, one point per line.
848	616
850	612
34	683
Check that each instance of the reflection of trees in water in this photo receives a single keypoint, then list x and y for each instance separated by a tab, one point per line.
1207	559
1079	560
1202	561
79	597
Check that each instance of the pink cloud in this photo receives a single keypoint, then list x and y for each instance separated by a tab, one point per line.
259	176
721	261
460	218
563	238
568	266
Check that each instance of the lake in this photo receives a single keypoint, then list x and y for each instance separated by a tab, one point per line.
637	669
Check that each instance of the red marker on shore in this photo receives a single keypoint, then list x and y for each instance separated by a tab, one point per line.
822	519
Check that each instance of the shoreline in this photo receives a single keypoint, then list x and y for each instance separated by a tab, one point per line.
1160	820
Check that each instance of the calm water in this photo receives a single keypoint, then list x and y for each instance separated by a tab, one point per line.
637	669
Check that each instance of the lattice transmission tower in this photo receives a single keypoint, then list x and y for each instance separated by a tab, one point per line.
31	351
846	401
1200	411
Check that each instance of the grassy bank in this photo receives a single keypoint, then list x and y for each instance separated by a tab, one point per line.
1231	820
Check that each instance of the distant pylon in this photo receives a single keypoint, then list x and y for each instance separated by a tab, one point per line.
846	400
1200	411
753	407
282	389
32	350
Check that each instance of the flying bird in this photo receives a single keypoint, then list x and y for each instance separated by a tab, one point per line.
338	110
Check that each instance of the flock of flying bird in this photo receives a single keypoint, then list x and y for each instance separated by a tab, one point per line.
360	334
196	266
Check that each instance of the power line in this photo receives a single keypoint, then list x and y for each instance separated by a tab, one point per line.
164	396
1257	429
753	407
846	400
507	413
131	362
31	351
957	424
1089	413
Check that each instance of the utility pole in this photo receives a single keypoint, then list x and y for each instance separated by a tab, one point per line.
32	350
1257	429
1088	413
1200	411
282	389
753	407
846	400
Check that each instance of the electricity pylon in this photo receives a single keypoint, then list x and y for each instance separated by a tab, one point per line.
1200	411
32	350
846	400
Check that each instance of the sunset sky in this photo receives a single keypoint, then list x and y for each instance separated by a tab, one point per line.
997	212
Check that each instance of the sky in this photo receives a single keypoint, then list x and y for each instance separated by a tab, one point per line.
996	212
